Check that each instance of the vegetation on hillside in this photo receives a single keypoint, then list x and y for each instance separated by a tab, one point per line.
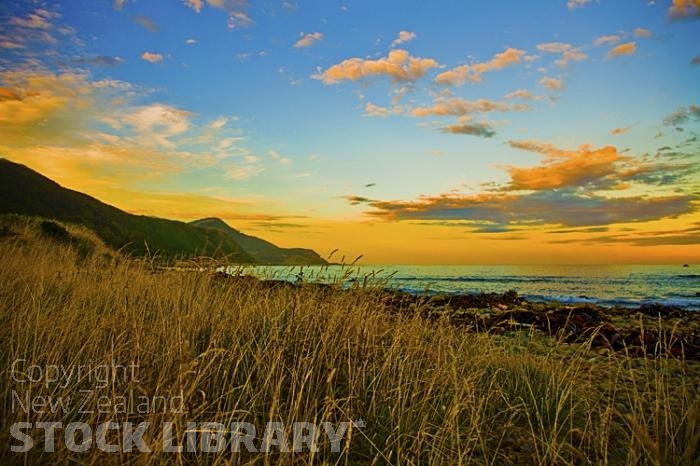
263	251
24	191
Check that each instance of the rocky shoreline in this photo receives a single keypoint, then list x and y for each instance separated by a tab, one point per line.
650	330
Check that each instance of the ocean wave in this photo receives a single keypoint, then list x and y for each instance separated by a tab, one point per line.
506	279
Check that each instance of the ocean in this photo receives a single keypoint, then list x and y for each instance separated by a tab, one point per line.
625	285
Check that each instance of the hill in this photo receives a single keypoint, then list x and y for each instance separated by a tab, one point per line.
263	251
24	191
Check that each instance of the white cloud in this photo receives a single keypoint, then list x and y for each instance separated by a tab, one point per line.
156	124
572	4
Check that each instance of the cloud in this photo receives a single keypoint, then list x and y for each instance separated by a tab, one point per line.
627	48
473	73
376	111
399	65
244	57
191	41
566	189
562	208
522	94
651	238
552	84
152	57
308	40
290	5
237	10
606	40
8	94
146	22
196	5
460	107
618	131
642	32
100	60
695	60
599	168
154	124
90	135
684	9
572	4
471	129
38	19
590	168
683	115
274	155
36	30
568	52
404	36
37	102
8	44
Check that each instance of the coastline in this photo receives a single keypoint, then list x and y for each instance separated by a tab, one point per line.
649	329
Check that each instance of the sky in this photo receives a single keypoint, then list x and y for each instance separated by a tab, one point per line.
441	132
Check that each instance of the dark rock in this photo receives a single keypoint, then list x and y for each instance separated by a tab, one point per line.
656	310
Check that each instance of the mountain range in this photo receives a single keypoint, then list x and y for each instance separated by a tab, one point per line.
26	192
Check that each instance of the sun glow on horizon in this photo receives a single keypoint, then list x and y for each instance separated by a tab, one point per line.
436	133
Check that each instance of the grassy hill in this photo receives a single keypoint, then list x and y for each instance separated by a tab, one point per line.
263	251
24	191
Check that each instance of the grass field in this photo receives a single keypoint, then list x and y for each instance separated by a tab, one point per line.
244	351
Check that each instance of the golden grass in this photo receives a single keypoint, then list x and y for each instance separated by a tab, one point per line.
246	352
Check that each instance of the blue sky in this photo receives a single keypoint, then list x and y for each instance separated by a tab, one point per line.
332	123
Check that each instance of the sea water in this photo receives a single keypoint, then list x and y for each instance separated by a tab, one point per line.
624	285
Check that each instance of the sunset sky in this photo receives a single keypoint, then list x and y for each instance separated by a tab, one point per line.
407	131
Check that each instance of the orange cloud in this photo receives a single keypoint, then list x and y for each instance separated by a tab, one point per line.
8	94
38	19
473	73
376	110
152	57
460	107
399	65
552	83
618	131
642	32
568	52
565	168
682	9
308	40
146	22
33	98
522	94
404	36
566	189
627	48
236	9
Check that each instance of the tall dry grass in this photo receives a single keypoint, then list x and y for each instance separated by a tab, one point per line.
243	351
